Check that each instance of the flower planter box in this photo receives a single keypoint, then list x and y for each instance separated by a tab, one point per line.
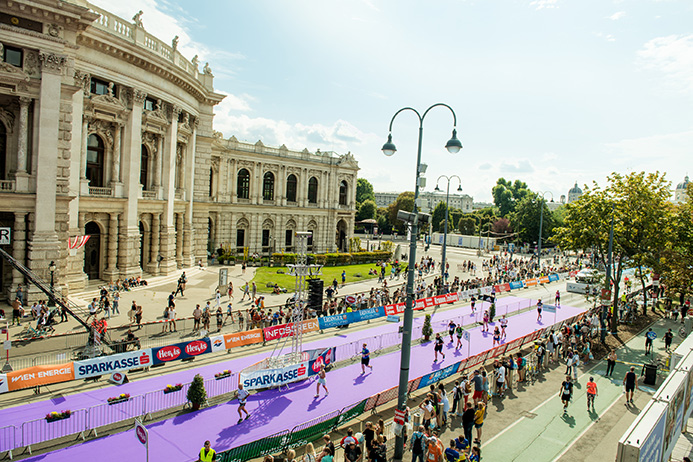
222	376
171	390
53	419
117	401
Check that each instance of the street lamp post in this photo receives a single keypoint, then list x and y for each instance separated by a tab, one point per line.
447	212
541	223
453	146
52	268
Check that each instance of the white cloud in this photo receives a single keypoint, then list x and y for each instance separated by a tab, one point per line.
607	37
618	15
673	56
541	4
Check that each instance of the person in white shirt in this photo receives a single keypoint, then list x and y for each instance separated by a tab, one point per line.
500	379
242	395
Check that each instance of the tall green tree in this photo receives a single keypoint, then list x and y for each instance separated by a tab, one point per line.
675	262
637	203
507	194
364	191
383	218
367	210
467	225
527	216
404	201
438	218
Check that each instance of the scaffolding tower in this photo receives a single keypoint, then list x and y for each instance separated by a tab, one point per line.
301	270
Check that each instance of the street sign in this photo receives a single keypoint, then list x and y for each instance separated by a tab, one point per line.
466	335
399	417
142	435
606	295
5	236
8	344
141	432
652	335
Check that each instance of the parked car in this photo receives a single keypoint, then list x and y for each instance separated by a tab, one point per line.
587	276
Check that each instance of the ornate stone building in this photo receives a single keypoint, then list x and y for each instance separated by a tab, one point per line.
105	130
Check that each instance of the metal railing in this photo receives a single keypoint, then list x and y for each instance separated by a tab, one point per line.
41	430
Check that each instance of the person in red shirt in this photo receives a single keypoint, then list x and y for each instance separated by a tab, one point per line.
591	393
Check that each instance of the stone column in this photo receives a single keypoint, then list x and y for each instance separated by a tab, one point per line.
131	146
21	175
154	245
157	162
44	245
179	240
181	166
18	248
188	247
112	257
168	249
115	177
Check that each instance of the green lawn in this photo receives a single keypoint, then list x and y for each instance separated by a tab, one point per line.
265	275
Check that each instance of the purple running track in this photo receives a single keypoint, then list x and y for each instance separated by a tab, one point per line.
180	438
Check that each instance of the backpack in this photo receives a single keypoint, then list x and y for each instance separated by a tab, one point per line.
468	387
417	444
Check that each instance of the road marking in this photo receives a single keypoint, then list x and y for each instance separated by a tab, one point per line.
582	433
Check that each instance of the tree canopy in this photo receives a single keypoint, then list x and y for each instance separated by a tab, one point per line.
364	191
507	194
367	210
404	201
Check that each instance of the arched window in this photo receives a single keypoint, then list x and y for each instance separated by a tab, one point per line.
268	187
144	168
243	185
95	161
291	183
313	190
343	193
3	151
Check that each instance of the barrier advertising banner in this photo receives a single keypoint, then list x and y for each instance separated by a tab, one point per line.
334	320
441	374
181	351
40	375
287	330
516	285
243	338
113	363
3	384
363	315
217	343
269	378
320	357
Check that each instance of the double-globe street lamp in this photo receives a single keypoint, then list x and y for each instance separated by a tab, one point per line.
447	212
453	146
541	223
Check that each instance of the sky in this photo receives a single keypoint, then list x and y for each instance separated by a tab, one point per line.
551	92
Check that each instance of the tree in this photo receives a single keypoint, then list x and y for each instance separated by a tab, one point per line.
383	218
527	216
367	210
675	264
197	395
364	191
637	203
438	218
467	226
404	201
502	226
507	194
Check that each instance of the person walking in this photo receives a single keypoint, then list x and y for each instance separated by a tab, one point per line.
246	291
558	298
242	395
479	420
630	381
365	358
207	454
321	381
540	305
459	330
418	444
451	329
591	393
438	348
668	338
503	324
566	393
649	338
172	319
610	363
456	397
485	321
230	290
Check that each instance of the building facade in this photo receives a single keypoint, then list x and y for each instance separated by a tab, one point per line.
681	191
429	200
574	193
106	131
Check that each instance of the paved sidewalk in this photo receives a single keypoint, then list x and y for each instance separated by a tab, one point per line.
545	434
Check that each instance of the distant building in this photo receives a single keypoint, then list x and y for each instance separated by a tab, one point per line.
562	199
574	193
681	191
429	200
482	205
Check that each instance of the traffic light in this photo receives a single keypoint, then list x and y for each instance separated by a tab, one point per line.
315	290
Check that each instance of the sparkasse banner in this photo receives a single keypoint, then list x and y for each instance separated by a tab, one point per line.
113	363
269	378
